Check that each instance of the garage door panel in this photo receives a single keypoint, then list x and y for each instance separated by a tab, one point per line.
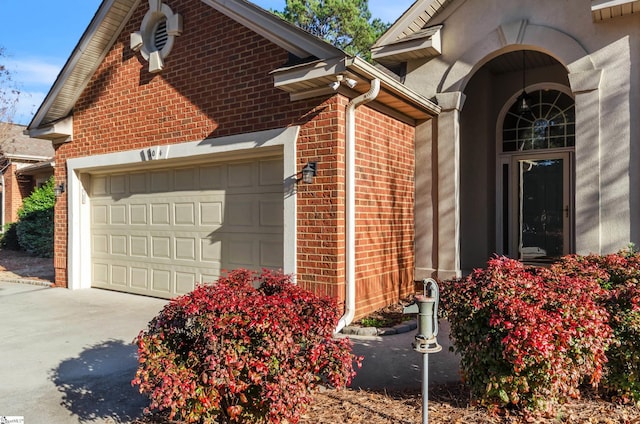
139	278
100	244
161	232
138	183
161	247
119	244
138	214
161	182
185	179
184	213
240	175
99	214
211	213
213	177
270	173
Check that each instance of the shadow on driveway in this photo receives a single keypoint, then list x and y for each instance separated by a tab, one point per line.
97	384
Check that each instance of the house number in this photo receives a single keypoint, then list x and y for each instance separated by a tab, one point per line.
152	153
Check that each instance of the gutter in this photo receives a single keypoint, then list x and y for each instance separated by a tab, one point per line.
350	221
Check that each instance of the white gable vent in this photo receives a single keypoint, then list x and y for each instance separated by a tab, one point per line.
157	34
160	35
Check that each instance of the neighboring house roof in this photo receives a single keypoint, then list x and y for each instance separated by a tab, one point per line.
16	145
53	120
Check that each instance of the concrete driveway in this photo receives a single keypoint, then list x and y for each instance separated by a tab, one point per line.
67	355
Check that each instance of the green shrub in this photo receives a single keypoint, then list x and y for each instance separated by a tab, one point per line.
35	221
527	336
619	273
232	353
9	238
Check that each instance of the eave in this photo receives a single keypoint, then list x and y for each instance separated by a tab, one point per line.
37	168
606	9
314	79
426	43
93	46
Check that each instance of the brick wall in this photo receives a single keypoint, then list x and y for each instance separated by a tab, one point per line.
216	83
385	168
15	190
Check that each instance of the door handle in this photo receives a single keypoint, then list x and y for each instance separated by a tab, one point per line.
566	211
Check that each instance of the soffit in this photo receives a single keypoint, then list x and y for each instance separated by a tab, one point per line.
414	20
314	79
425	43
606	9
93	46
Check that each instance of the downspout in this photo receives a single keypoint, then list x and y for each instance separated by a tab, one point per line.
350	200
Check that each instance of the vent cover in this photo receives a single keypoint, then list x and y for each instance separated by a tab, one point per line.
159	28
160	35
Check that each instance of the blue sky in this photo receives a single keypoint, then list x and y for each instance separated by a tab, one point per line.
39	35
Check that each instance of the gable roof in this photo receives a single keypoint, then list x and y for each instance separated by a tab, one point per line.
106	26
415	19
53	120
14	144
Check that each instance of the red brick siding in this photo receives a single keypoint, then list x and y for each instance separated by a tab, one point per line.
15	189
217	82
385	169
321	208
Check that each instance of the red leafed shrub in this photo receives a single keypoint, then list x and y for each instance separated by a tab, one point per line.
526	336
619	275
231	352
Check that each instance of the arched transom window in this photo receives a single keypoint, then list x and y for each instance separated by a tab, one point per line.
549	123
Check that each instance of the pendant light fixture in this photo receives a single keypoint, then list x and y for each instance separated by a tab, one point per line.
524	100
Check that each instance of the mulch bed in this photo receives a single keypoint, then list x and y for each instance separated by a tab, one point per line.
26	266
447	404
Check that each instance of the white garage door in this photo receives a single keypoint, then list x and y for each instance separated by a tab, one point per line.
161	232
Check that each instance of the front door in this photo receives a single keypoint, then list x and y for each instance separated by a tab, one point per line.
541	221
535	195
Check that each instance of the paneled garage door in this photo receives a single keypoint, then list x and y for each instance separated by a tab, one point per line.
160	232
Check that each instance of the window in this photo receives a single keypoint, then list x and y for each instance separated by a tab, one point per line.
549	123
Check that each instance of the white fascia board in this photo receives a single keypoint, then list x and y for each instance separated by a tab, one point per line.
431	46
28	158
72	63
318	69
369	71
280	32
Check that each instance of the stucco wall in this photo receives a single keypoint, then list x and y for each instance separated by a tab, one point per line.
600	59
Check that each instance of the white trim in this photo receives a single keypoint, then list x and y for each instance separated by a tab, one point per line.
275	29
78	202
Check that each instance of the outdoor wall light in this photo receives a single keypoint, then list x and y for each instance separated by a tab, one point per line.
349	82
309	171
58	190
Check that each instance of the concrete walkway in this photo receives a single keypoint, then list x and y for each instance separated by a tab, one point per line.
67	355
